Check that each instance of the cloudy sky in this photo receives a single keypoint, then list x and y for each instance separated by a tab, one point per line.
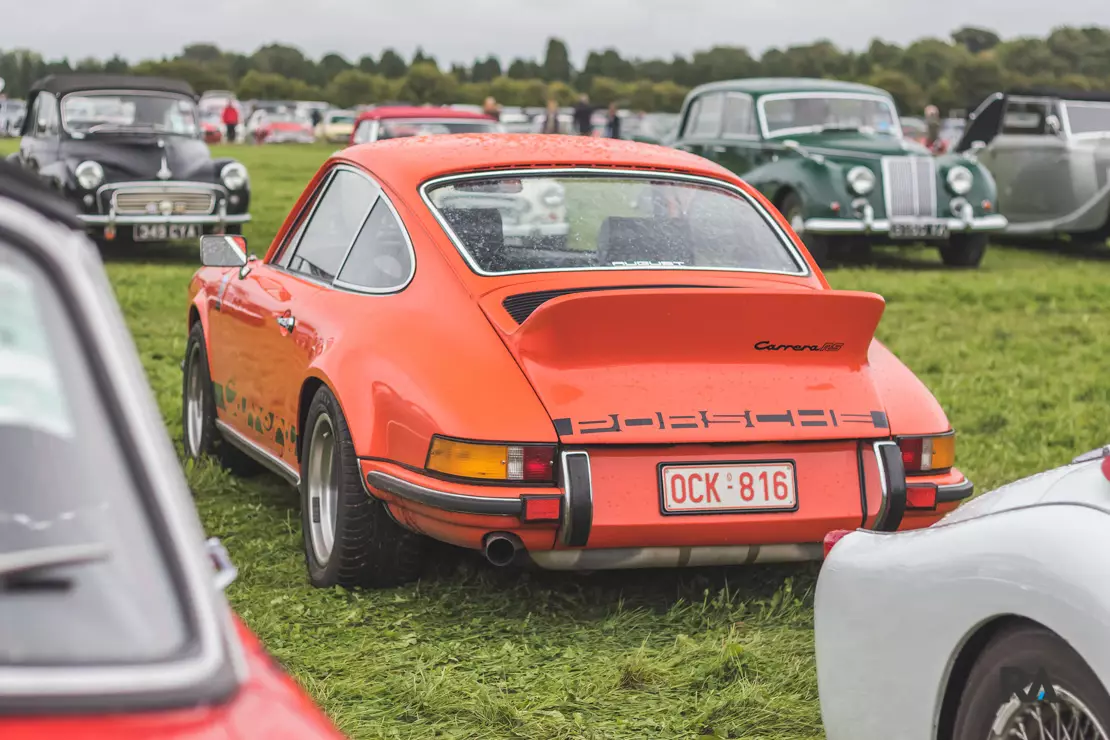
460	30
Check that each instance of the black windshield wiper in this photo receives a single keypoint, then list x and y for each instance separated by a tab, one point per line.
25	562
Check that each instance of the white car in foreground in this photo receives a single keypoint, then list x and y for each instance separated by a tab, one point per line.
993	623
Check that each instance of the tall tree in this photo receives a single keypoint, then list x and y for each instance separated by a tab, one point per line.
486	70
524	69
556	62
976	39
391	65
367	64
421	58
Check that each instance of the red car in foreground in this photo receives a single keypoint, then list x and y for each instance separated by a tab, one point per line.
113	623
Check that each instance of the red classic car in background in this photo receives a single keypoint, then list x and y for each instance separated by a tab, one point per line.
114	623
281	127
212	126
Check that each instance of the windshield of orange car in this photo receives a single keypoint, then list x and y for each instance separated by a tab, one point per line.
568	221
110	112
812	113
1088	117
83	577
399	128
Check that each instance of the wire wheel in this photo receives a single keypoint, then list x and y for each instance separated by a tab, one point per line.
1068	718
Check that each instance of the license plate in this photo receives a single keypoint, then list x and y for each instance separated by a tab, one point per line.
165	232
919	230
729	487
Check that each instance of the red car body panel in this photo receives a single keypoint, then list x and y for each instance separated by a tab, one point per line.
269	705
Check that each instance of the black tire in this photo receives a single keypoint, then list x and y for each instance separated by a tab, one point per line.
817	244
207	440
964	250
1031	649
369	548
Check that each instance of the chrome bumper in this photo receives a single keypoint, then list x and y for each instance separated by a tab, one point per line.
112	219
995	222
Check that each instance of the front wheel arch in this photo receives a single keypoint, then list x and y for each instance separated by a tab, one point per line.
964	661
309	388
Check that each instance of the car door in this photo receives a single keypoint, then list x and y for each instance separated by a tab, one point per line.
1029	161
268	337
701	126
39	148
740	148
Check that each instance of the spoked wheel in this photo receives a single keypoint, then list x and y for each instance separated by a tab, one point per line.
991	710
349	538
817	244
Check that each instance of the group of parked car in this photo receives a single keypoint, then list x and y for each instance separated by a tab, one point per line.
322	360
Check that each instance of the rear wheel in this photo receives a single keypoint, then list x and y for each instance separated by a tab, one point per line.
817	244
989	710
349	538
964	250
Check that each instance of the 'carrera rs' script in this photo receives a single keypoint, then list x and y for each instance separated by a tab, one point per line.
826	347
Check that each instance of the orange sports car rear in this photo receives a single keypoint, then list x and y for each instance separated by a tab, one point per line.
671	383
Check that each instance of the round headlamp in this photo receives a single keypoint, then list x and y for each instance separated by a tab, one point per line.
861	180
234	176
89	174
959	180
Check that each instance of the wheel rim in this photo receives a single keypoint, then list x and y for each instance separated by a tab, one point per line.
323	488
1068	718
194	404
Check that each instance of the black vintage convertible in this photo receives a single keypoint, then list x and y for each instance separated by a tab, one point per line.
129	152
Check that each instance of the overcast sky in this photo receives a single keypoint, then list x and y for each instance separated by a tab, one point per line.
460	30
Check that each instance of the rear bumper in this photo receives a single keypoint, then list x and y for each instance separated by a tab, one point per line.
623	527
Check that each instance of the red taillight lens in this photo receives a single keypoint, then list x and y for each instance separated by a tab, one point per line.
832	538
911	453
1106	467
541	508
921	454
539	463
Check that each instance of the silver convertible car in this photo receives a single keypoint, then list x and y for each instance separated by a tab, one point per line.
991	624
1049	153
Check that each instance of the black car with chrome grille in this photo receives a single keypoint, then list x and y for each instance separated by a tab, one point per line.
130	153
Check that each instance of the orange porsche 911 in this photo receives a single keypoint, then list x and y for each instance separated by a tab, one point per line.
677	385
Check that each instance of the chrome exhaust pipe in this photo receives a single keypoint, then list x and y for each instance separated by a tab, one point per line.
503	548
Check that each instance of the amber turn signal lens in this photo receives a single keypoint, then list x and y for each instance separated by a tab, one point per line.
924	454
495	462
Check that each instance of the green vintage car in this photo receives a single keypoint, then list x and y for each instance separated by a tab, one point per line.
831	156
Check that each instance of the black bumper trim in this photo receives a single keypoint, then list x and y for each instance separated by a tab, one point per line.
893	480
442	500
955	492
578	499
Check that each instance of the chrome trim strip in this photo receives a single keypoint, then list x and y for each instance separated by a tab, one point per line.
98	219
674	557
1033	227
646	174
262	456
885	505
994	222
70	258
454	502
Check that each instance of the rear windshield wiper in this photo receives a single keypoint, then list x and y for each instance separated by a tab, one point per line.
22	563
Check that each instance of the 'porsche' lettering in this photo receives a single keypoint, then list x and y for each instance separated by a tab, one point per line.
616	423
766	346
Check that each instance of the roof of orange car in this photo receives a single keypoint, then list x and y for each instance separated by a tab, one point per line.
410	161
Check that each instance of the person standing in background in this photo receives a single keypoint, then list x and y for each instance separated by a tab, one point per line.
932	126
316	118
583	112
492	109
230	118
613	125
550	121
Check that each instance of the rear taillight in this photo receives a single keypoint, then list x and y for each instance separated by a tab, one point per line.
523	463
832	538
928	454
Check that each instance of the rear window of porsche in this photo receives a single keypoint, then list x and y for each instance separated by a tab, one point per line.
548	221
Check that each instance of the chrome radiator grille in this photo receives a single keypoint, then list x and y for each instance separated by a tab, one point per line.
151	200
910	187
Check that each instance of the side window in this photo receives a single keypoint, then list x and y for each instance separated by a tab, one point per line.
333	225
380	258
362	133
1025	118
739	118
705	120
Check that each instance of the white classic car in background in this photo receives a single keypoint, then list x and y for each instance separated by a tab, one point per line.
990	624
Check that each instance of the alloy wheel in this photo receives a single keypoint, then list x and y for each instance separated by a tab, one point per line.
323	488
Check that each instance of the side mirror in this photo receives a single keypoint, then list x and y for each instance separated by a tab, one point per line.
1052	125
223	251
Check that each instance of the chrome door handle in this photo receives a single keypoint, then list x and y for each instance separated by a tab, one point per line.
286	322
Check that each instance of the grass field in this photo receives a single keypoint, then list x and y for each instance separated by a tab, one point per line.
1016	352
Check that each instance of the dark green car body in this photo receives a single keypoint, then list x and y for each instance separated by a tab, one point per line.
798	141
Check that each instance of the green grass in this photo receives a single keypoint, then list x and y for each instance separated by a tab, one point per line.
1016	352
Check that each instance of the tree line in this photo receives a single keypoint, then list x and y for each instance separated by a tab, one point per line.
953	73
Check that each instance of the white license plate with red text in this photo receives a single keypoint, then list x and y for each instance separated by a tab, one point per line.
729	487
